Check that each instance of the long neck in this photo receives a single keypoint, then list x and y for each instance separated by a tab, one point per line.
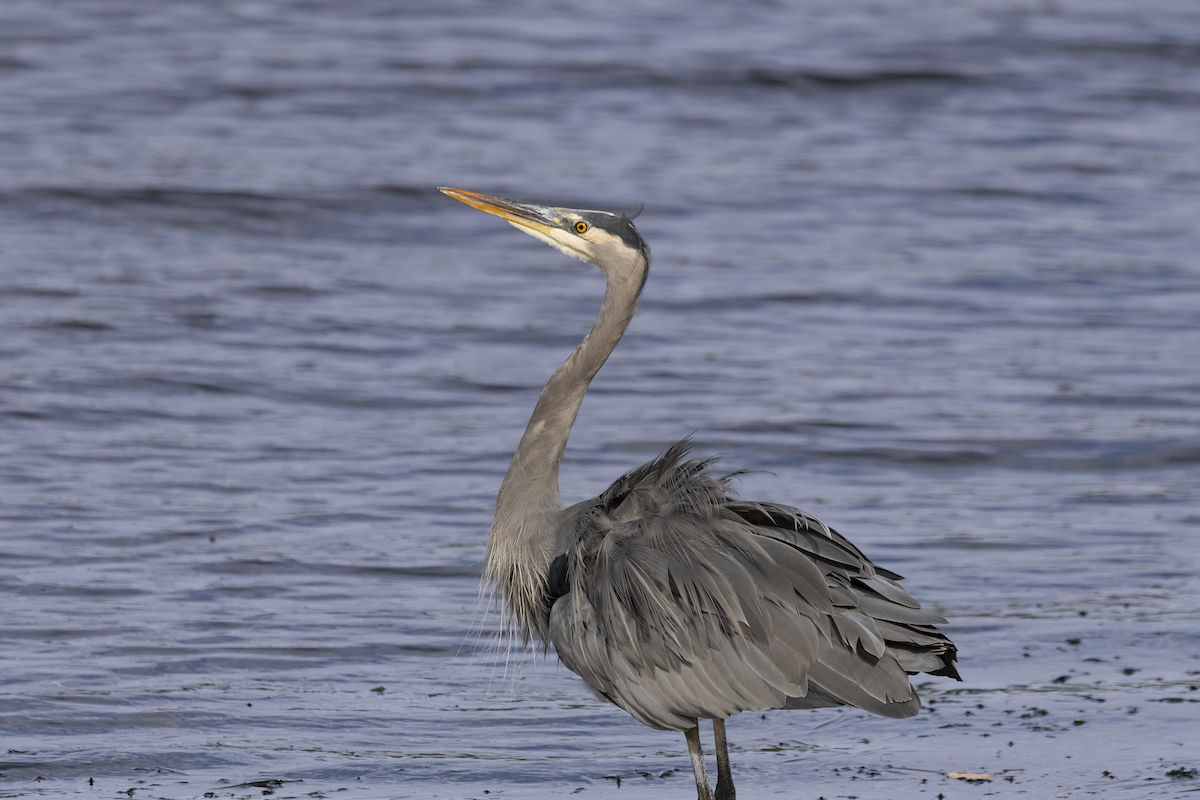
521	545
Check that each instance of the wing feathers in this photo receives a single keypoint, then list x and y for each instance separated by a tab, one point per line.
857	630
682	602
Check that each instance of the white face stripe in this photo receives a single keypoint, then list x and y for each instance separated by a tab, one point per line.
582	246
544	236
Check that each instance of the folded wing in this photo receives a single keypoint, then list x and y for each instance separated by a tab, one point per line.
675	601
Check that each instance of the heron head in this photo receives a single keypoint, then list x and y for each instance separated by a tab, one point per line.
598	237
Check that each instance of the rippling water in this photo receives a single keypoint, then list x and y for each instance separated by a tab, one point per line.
929	270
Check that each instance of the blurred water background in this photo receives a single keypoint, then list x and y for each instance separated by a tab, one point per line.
931	269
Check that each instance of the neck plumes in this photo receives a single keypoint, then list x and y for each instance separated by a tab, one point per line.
524	532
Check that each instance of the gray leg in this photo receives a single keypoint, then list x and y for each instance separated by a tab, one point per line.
725	789
703	792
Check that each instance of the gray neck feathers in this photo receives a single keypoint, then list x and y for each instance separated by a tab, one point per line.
522	541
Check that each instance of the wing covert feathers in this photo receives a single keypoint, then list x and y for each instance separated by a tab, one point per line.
679	601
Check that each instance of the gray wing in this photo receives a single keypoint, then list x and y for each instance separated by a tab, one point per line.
677	601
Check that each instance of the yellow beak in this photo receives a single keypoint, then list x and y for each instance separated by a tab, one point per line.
534	219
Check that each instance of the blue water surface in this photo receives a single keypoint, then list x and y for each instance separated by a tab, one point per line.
926	270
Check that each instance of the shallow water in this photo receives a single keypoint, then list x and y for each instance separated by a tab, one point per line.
929	272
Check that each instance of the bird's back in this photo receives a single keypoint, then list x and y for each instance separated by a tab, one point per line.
676	600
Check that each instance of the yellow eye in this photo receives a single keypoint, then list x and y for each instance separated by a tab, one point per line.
581	227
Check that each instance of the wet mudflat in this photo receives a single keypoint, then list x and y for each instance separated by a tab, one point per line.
929	273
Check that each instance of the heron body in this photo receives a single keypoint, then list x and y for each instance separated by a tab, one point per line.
668	595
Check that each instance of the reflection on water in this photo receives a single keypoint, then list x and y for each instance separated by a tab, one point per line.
929	273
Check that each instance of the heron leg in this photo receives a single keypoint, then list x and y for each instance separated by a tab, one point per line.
725	790
703	791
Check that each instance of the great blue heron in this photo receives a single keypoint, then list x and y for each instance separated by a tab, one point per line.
667	594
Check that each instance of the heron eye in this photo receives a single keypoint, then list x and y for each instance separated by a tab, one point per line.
581	227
